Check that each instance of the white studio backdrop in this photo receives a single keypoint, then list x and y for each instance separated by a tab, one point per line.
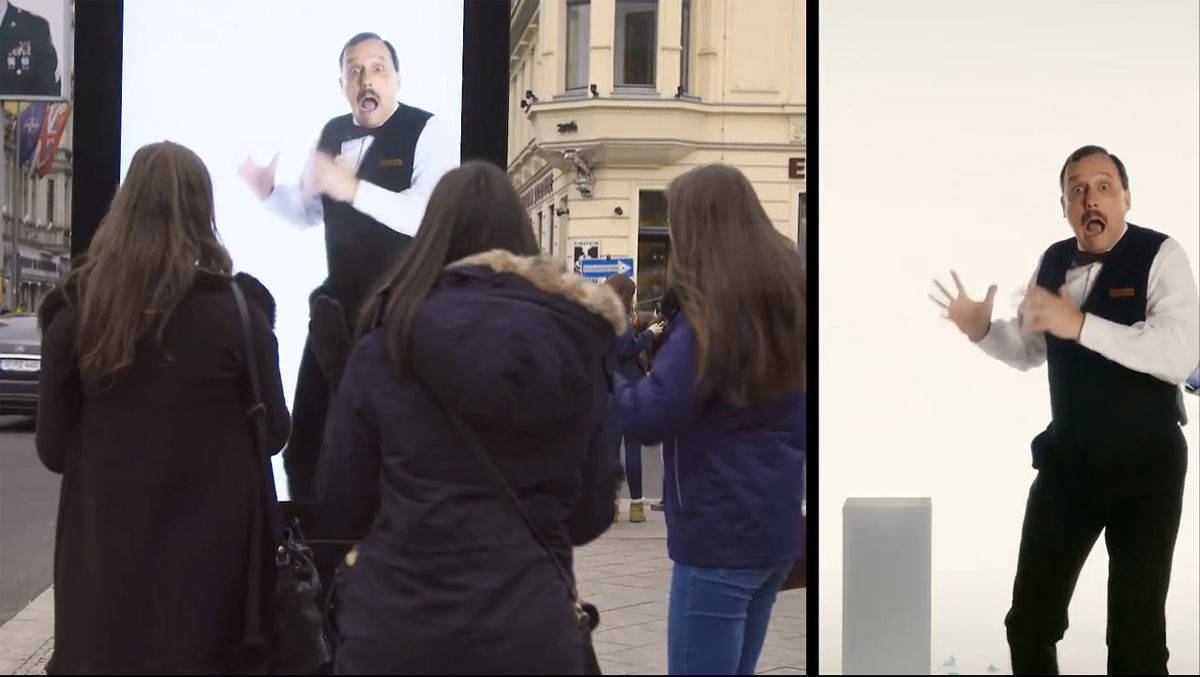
229	79
943	129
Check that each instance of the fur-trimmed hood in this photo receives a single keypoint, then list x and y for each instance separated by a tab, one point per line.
553	277
515	343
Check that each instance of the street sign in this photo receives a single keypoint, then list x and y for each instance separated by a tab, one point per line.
602	269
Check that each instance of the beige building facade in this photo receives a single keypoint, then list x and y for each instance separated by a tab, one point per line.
611	99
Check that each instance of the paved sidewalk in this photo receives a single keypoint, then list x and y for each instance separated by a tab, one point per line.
27	639
625	573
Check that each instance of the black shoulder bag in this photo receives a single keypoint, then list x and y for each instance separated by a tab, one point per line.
284	630
586	615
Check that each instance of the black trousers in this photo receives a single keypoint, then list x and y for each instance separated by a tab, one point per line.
309	408
1136	502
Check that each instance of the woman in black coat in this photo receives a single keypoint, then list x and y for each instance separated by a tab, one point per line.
142	411
449	579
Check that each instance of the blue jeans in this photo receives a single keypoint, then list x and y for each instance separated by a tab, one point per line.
718	618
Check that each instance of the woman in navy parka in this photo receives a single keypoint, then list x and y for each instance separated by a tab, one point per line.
448	578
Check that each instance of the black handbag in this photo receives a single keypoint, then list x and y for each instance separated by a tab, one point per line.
586	615
284	629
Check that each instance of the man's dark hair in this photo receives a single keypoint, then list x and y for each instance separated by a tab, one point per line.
1093	150
363	37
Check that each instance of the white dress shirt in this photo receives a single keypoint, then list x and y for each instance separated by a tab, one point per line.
1166	345
435	154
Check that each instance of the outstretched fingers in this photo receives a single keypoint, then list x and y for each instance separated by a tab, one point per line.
958	283
949	296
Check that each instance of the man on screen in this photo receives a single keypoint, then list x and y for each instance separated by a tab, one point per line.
368	180
1114	312
30	62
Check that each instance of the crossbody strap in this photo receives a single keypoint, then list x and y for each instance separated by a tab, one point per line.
268	506
472	441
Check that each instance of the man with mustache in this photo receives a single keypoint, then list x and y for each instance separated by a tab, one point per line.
368	180
1114	313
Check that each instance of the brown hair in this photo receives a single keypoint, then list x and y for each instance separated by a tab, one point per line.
472	209
142	261
740	283
625	288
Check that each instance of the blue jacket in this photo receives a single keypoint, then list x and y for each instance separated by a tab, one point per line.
622	357
732	475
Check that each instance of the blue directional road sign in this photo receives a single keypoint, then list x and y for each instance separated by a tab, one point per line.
599	270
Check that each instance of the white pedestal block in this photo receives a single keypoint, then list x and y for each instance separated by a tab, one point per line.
886	586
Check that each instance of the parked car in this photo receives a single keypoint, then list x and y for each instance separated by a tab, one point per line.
20	364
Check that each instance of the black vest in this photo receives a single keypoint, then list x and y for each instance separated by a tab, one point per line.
1093	400
359	250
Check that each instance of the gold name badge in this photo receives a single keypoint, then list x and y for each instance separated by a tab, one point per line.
392	162
1120	292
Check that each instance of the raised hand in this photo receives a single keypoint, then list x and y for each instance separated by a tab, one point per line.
972	318
260	179
333	178
1044	310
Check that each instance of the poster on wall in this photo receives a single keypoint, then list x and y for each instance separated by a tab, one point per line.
35	48
583	249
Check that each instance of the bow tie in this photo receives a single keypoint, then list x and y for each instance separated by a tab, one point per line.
1083	258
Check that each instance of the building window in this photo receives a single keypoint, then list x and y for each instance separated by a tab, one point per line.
653	248
541	230
636	43
579	26
685	54
50	200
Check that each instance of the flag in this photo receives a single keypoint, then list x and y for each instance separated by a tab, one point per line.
29	127
53	125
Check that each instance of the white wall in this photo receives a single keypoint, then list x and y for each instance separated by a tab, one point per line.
229	78
943	128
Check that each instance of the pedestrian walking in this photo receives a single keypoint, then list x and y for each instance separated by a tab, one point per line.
479	373
624	358
727	388
142	410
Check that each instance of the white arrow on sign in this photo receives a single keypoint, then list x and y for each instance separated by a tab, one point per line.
624	268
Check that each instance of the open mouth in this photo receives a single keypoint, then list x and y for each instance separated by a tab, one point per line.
367	103
1093	223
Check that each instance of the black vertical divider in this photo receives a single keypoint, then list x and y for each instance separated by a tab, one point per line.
812	357
485	81
96	158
